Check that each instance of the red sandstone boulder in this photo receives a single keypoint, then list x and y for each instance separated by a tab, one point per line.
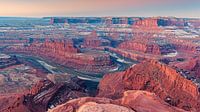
73	105
143	101
139	101
94	107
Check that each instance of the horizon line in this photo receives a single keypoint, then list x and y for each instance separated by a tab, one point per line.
95	16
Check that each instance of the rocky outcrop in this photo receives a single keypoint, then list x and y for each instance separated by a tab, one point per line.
147	22
143	101
45	94
191	65
137	56
143	46
152	76
18	78
92	106
12	103
183	45
92	40
132	101
188	47
74	105
196	67
146	28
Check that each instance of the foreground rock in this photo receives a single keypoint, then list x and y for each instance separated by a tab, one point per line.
45	94
94	107
132	101
152	76
12	103
143	101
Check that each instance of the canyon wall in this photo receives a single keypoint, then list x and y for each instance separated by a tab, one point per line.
64	52
140	46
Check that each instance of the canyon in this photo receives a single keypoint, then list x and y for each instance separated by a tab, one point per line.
103	64
136	89
65	53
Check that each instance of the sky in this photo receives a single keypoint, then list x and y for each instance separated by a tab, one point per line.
73	8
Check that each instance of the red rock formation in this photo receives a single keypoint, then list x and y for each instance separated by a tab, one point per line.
66	54
152	76
92	40
138	56
146	27
148	22
73	105
143	101
191	65
92	107
183	45
60	47
12	103
196	67
139	101
45	94
141	46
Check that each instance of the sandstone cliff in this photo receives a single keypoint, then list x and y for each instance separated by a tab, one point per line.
143	46
152	76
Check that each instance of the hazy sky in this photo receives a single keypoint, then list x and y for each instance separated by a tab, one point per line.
40	8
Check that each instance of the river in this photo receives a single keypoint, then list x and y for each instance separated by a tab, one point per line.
55	68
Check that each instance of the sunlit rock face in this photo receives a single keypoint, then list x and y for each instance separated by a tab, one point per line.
148	22
191	67
141	46
154	77
131	101
146	26
92	40
91	107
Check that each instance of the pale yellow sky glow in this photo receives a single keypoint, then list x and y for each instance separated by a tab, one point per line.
39	8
